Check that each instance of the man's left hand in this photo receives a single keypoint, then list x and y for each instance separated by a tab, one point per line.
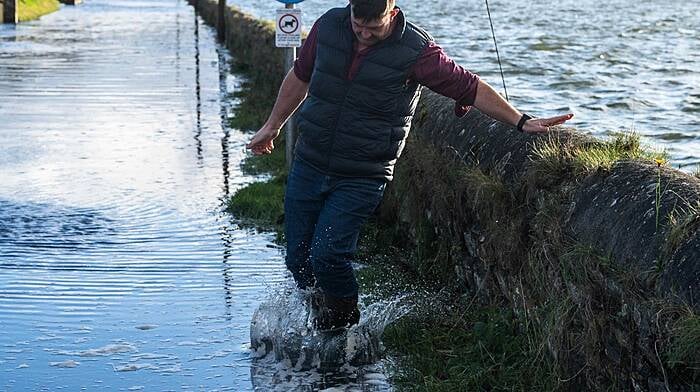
542	125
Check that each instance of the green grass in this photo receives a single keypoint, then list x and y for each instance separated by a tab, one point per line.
683	354
33	9
683	222
260	204
450	342
559	157
439	197
255	99
478	349
565	293
274	163
578	262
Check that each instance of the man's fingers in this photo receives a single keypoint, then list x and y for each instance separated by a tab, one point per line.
557	120
261	147
253	144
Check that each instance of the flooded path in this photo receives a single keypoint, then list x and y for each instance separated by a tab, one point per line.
118	270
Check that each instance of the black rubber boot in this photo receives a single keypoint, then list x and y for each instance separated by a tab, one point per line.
336	313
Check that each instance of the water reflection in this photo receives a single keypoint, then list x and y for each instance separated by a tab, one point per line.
223	115
197	88
46	227
117	267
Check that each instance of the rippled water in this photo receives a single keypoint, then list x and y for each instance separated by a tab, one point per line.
618	65
117	269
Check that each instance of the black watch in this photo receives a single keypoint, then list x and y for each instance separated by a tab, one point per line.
524	118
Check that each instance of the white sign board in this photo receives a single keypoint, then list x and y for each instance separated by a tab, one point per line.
288	28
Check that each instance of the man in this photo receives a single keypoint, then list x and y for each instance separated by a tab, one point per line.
362	68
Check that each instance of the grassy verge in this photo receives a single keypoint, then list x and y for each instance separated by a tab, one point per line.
481	351
259	204
450	342
34	9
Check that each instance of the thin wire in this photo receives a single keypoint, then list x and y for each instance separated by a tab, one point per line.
498	56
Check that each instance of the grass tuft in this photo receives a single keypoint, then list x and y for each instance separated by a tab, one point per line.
458	349
682	222
260	204
255	98
558	156
34	9
683	353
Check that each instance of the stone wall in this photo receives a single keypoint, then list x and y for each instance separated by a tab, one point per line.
613	210
576	251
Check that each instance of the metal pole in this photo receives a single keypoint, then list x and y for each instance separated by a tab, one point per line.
221	25
10	14
290	129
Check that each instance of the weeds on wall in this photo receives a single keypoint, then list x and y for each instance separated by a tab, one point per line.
683	221
683	351
558	156
511	250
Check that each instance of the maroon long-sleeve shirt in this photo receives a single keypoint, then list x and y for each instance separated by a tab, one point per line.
433	69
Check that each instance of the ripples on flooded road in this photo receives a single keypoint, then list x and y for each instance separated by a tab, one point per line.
118	270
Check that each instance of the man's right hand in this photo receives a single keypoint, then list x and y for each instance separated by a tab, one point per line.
262	141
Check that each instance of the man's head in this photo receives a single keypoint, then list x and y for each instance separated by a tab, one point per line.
372	19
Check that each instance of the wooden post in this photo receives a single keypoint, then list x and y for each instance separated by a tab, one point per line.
221	25
290	129
9	11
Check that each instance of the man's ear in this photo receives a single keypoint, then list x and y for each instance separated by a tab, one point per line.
394	12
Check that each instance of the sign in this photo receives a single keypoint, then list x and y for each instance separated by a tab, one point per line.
288	28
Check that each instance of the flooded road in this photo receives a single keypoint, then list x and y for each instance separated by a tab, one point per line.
118	270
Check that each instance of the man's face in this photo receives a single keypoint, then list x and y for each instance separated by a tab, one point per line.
370	32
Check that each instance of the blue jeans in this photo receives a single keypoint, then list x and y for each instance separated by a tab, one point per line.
323	216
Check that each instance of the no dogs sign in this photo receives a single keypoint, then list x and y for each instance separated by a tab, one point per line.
288	28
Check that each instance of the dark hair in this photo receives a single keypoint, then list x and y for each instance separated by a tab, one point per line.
370	9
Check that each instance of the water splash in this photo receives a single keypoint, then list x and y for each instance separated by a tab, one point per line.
282	326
